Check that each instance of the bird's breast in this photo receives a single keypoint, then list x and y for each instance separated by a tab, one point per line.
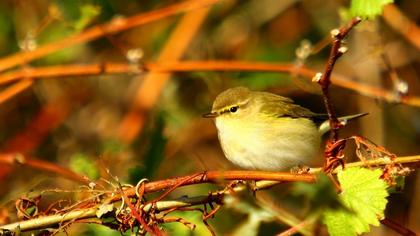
275	144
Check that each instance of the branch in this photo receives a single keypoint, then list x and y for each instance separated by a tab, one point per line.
376	162
14	89
333	151
46	221
217	176
148	92
19	159
215	197
112	27
188	66
325	80
402	24
397	227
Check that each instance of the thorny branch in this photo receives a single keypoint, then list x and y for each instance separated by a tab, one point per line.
334	148
325	80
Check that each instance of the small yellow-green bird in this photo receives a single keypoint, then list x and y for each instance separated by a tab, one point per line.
265	131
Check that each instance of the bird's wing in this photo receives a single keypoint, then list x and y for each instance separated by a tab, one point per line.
285	107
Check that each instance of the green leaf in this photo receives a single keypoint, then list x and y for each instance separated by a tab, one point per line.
368	9
364	194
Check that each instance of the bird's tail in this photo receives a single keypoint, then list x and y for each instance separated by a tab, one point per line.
325	126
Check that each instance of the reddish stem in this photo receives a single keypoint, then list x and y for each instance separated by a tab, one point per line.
397	227
218	176
325	80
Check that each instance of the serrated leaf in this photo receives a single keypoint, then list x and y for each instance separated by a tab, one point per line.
364	194
368	8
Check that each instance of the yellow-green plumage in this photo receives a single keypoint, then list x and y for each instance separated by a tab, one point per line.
260	130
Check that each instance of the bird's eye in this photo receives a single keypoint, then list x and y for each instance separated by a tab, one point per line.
233	109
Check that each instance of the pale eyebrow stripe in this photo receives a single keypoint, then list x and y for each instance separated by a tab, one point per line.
240	105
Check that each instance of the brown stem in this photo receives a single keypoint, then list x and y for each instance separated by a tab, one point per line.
218	176
16	158
395	18
14	89
137	215
397	227
187	66
148	92
112	27
325	80
294	229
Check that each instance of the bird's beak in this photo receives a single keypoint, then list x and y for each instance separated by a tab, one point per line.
211	115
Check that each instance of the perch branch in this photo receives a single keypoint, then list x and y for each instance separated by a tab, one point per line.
211	176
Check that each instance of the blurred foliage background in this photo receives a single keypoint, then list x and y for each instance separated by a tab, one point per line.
84	122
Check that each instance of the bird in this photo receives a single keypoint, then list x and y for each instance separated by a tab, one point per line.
264	131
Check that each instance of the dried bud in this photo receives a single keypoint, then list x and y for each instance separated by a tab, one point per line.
29	43
304	50
343	49
134	55
92	185
402	87
334	33
317	77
